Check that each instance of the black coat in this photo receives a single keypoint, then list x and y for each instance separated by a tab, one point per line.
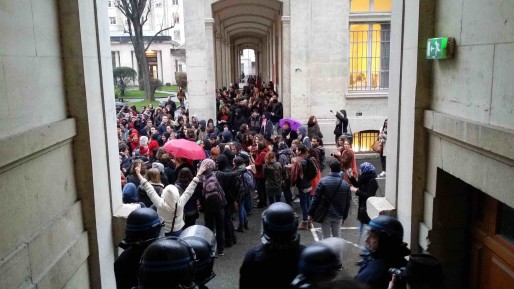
126	267
265	267
367	187
278	111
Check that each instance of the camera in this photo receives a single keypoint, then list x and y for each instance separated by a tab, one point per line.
400	272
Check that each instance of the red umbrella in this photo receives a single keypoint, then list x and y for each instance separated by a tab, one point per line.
182	148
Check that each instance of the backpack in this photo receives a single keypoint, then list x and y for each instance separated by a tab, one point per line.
244	184
213	193
248	182
310	171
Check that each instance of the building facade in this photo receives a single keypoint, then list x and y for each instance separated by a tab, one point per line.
450	141
322	54
166	54
450	147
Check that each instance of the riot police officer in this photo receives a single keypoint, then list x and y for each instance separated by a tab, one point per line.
168	263
203	242
274	263
384	249
143	226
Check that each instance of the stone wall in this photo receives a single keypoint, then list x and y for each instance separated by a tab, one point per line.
57	158
471	120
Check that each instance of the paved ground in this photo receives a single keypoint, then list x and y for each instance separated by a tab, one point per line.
227	266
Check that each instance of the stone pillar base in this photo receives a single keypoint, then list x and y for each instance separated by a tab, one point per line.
379	206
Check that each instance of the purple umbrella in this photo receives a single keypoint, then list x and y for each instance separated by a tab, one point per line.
293	123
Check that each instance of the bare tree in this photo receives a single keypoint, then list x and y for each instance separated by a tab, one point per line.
136	12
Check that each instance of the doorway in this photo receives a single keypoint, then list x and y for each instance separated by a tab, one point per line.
492	244
472	235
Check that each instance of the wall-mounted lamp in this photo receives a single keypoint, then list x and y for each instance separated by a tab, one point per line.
298	69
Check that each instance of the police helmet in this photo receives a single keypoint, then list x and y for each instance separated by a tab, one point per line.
279	224
319	260
389	226
203	242
142	224
166	263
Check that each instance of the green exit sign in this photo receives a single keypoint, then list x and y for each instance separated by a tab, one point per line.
440	48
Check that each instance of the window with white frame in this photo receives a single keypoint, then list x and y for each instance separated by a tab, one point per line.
112	20
370	31
176	17
110	3
175	2
176	35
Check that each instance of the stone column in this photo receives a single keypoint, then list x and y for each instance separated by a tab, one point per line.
227	62
285	83
236	64
223	61
210	83
219	78
200	58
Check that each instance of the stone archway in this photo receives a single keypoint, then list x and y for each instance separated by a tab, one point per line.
216	32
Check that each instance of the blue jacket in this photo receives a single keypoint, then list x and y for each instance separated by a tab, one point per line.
340	201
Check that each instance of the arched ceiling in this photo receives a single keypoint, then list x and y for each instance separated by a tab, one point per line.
246	19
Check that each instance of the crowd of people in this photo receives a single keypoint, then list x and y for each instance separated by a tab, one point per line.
253	159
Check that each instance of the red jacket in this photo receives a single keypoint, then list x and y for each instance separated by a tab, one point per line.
259	162
153	144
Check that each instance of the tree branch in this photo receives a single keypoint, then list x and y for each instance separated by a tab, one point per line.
158	32
143	20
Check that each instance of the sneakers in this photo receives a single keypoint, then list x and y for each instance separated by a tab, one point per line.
382	174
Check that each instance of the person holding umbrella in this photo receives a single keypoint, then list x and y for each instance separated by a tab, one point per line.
289	127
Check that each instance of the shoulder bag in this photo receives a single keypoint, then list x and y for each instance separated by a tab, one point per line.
321	211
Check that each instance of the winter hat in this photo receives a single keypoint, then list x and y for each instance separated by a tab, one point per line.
267	114
143	150
158	166
367	168
202	123
208	164
303	131
130	194
227	136
143	141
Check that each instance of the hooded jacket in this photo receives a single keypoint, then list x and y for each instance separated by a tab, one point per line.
305	138
170	200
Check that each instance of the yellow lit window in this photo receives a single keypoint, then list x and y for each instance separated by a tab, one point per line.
363	140
367	6
360	6
369	56
382	6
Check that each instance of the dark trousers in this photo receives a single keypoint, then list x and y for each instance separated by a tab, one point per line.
230	231
261	192
215	221
288	195
190	220
383	162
